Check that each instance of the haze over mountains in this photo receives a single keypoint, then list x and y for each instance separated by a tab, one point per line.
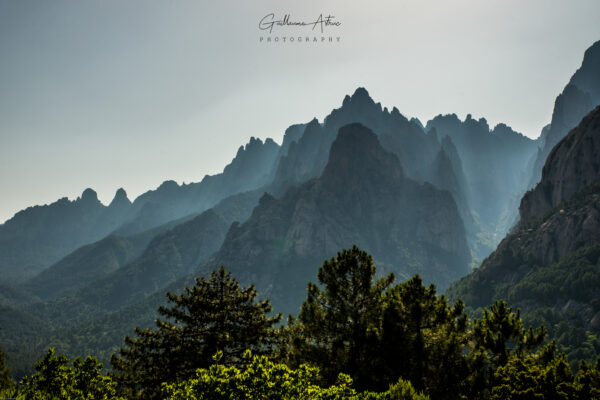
362	197
579	97
549	266
431	199
302	156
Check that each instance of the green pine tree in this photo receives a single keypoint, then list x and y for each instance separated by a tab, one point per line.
423	340
337	326
500	331
545	375
213	315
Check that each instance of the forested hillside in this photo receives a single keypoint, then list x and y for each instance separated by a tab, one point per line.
356	337
548	266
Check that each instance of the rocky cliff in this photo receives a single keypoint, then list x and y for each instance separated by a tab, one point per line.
363	197
578	98
572	165
548	266
39	236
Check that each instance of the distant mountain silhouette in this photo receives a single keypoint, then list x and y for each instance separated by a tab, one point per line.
39	236
250	169
464	158
499	158
579	97
424	200
308	154
548	266
362	197
116	272
93	262
493	162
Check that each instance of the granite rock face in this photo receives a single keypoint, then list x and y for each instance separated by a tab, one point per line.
573	164
362	197
580	96
549	262
493	161
308	154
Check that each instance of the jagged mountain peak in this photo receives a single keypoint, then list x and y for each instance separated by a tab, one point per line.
266	198
578	98
360	96
446	141
359	103
587	77
416	121
314	123
356	151
120	198
434	135
168	185
479	123
89	195
292	135
256	143
571	165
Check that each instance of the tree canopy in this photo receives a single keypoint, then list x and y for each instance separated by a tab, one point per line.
215	314
356	337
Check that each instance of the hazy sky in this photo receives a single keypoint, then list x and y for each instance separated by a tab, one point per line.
108	94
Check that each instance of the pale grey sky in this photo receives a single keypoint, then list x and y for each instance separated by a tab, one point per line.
111	93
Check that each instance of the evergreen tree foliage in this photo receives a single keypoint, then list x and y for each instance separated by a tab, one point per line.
422	340
377	333
545	375
56	379
587	381
7	384
395	342
492	340
338	325
500	332
215	314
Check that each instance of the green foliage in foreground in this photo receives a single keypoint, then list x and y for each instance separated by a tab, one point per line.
7	385
56	379
378	333
563	297
215	314
355	338
545	375
262	379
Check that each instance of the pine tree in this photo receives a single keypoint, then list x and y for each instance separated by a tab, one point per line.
545	375
213	315
500	331
422	340
337	327
496	338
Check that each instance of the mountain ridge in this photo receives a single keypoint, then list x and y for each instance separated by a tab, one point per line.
548	266
286	238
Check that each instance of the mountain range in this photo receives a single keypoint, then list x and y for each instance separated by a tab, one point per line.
431	199
548	266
